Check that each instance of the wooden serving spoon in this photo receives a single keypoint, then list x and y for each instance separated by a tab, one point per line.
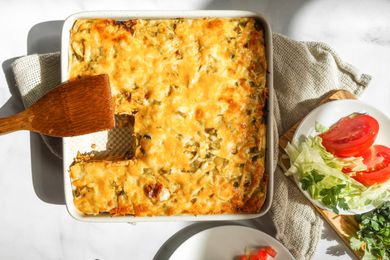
75	107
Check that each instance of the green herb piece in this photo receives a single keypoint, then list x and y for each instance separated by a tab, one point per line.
355	243
331	198
311	179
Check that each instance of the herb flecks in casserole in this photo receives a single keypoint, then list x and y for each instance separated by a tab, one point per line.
197	91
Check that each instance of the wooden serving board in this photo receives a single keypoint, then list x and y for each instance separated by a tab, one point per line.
344	225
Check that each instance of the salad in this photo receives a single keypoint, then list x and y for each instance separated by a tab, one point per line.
340	167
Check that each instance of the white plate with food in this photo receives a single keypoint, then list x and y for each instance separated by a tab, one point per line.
340	157
231	242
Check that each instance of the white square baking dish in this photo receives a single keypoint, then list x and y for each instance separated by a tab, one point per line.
72	145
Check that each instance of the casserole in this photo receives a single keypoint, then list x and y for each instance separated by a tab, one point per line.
83	143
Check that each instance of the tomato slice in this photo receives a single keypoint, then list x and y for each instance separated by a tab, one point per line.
262	254
377	160
270	251
351	135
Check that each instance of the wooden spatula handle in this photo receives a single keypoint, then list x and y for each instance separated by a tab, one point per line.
21	121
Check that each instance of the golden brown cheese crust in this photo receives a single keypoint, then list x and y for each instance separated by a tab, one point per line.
197	90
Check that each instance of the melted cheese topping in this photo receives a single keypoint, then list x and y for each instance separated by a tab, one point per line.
197	91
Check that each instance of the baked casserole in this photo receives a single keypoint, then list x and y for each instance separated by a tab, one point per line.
196	89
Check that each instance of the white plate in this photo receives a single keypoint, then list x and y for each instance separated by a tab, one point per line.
227	242
328	114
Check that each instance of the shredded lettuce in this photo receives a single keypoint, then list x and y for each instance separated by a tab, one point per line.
320	174
320	128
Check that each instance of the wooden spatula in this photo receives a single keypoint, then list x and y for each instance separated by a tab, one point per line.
75	107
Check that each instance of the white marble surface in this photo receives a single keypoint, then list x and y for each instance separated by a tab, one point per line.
33	222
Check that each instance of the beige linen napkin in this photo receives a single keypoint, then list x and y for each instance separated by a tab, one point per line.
303	72
35	75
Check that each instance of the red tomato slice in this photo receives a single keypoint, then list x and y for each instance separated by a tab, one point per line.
377	159
242	257
351	135
270	251
262	254
254	257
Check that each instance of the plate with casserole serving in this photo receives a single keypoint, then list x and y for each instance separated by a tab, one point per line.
192	91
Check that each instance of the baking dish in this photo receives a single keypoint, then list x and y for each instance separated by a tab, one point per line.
83	143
